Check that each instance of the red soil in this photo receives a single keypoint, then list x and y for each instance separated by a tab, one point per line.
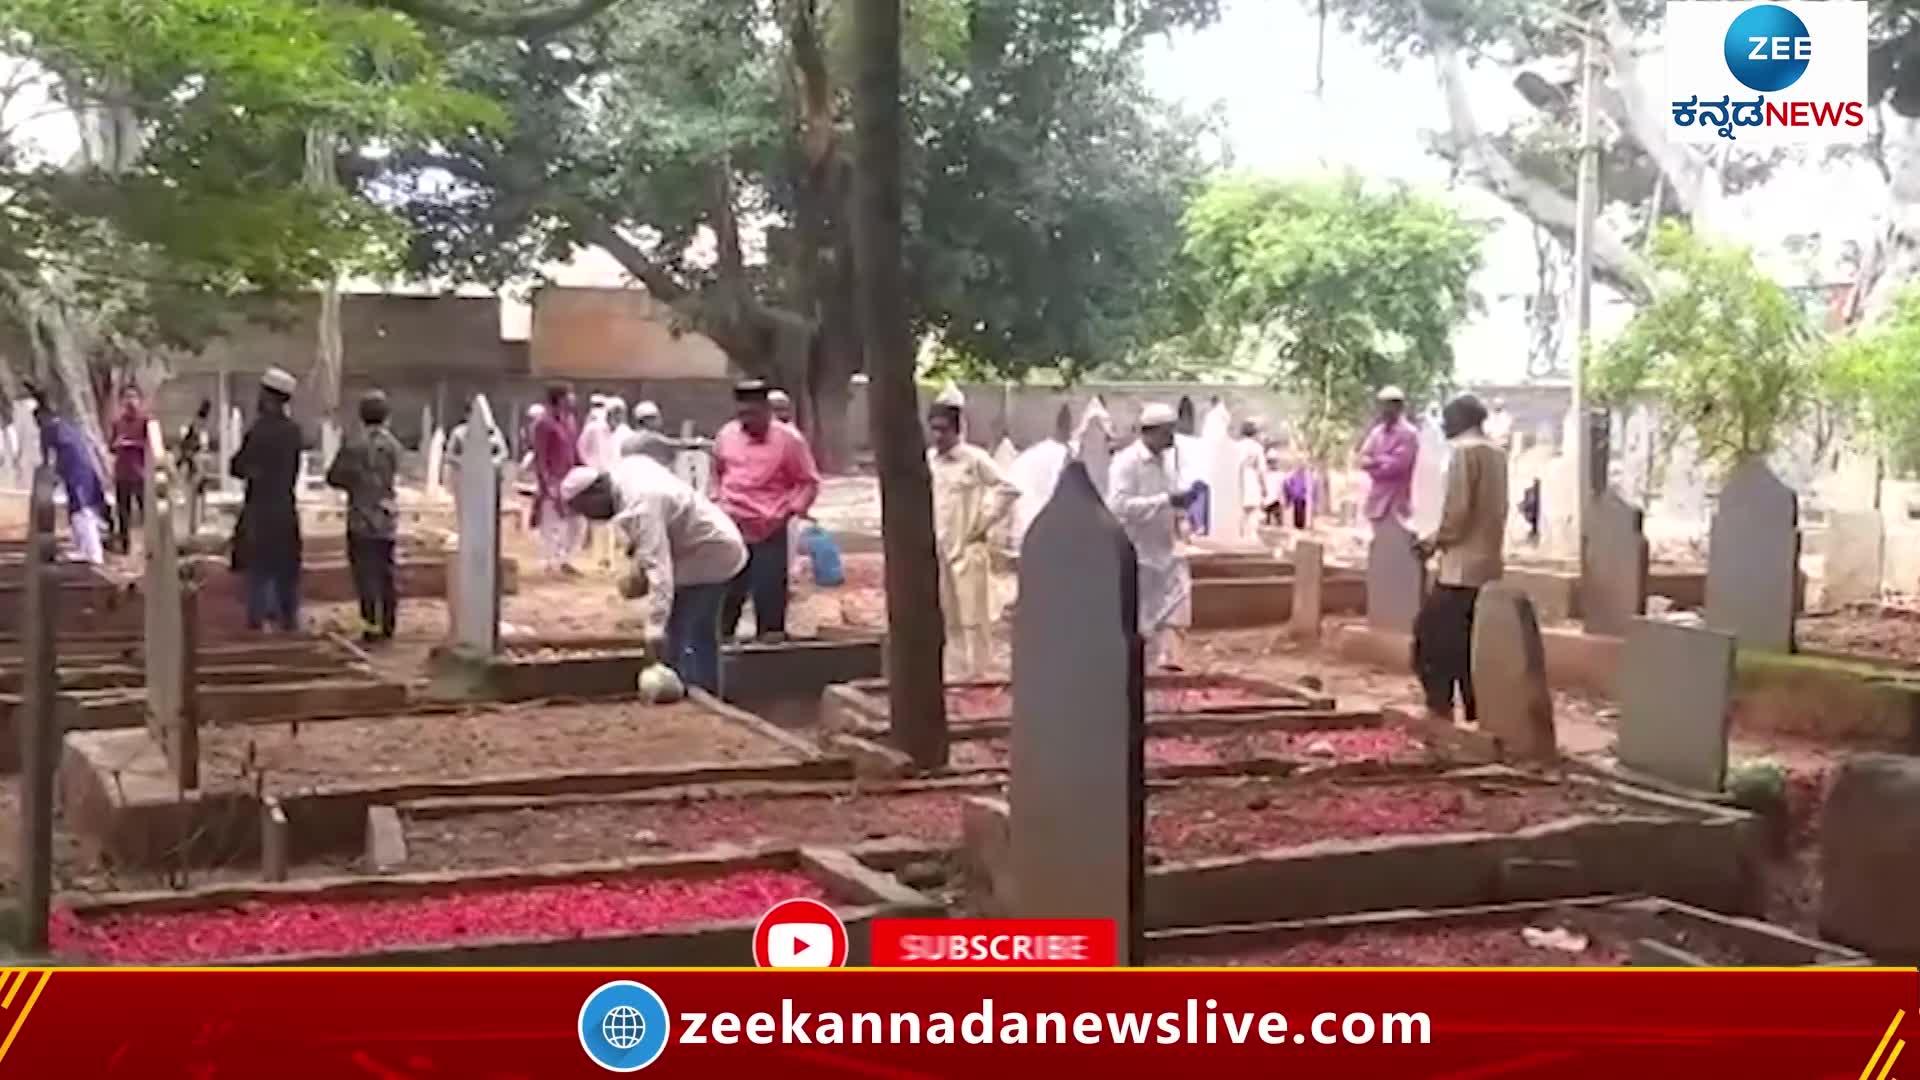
1167	695
1343	745
351	926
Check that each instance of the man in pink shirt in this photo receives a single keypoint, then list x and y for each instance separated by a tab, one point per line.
555	453
763	476
1387	456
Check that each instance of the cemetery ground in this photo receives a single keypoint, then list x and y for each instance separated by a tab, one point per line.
510	830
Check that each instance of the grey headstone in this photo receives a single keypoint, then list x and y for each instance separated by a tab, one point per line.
1510	674
1309	573
1753	559
476	581
1613	583
1870	857
1396	578
29	433
436	463
168	648
1078	785
1856	550
274	840
1675	682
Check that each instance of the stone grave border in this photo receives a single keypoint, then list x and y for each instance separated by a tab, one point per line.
861	894
144	826
889	849
1766	944
860	707
1696	852
605	666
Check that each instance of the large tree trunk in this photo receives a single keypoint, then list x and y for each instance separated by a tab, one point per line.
916	697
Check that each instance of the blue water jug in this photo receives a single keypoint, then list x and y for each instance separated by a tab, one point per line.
824	554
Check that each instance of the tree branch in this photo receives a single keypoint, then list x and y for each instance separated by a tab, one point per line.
532	24
1688	174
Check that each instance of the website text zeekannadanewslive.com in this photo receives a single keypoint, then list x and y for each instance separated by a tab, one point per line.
1199	1023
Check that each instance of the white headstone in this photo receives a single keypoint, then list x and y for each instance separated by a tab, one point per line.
230	437
476	584
1094	443
426	425
1005	454
1429	479
220	450
1222	458
156	444
28	431
329	443
1036	472
436	463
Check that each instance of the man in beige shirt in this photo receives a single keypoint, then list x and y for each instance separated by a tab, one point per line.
1469	541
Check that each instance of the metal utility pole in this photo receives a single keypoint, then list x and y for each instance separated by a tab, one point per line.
1586	205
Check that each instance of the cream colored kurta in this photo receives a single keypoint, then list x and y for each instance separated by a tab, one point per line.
970	497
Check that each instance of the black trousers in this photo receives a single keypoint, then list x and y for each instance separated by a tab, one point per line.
371	559
764	580
1443	648
128	496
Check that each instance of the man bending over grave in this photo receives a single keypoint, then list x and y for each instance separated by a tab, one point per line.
764	476
1469	540
266	540
682	552
1146	494
970	498
62	444
365	468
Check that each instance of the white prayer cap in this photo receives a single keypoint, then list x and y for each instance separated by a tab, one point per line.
1392	393
536	410
778	397
951	398
646	410
279	381
1157	415
578	479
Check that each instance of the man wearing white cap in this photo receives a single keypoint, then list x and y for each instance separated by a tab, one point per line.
1388	457
970	497
1149	499
684	552
266	539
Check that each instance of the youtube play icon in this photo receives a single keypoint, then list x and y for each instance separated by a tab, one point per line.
800	934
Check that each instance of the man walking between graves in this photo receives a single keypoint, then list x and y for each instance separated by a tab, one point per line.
129	441
556	450
73	462
970	499
764	477
1146	494
1469	540
365	469
683	550
1254	495
1388	456
266	540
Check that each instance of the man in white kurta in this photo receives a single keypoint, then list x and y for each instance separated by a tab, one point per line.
1150	499
970	498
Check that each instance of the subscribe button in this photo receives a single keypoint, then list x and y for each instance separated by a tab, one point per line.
994	943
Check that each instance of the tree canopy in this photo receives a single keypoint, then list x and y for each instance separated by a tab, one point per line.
1871	377
1724	351
1345	286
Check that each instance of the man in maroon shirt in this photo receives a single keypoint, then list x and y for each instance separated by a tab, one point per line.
129	442
763	475
555	453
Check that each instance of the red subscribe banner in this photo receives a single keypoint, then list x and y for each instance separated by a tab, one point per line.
442	1024
1015	943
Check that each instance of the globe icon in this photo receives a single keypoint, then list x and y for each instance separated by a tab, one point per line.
623	1027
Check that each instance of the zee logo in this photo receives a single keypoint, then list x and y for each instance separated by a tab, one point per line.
1768	48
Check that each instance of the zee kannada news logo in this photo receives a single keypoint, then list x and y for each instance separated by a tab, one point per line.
1769	50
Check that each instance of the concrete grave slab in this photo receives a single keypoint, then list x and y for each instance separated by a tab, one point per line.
1078	788
1753	559
1675	685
